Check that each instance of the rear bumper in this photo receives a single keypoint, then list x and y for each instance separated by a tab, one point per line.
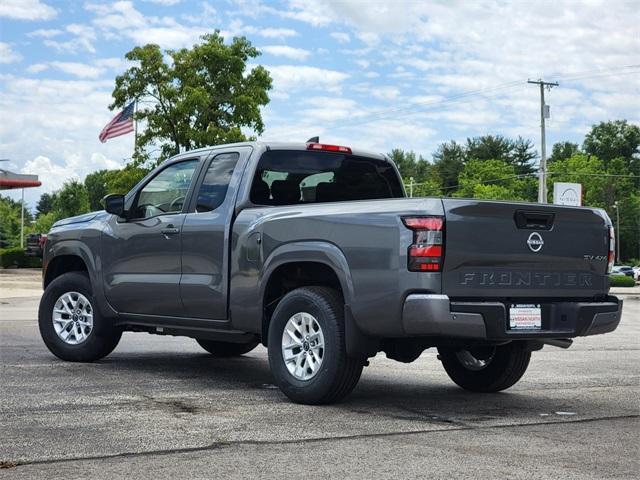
436	315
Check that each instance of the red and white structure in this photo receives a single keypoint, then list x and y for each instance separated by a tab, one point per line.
10	181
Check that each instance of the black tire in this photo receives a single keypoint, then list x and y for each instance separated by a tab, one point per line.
227	349
103	337
505	367
338	374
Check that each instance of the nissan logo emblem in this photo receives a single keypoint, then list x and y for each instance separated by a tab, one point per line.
535	242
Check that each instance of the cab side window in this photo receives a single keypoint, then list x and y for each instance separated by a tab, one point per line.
214	186
166	192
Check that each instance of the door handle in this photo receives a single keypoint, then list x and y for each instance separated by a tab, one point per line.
170	230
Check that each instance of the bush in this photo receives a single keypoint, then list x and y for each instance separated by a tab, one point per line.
15	257
621	281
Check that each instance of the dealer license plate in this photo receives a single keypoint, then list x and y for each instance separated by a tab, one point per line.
525	317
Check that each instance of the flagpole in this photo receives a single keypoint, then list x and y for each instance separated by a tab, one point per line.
135	126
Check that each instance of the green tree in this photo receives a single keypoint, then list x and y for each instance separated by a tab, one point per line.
9	222
410	165
123	180
563	150
195	97
10	218
72	199
519	153
425	177
490	179
522	155
488	147
617	139
96	185
449	161
43	223
45	203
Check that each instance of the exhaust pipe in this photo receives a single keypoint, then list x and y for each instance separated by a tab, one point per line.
558	342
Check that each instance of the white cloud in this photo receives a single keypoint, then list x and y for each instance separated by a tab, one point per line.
166	3
82	39
7	54
286	51
384	92
328	109
45	33
37	68
123	19
275	32
26	10
370	38
288	78
80	70
237	27
341	37
92	70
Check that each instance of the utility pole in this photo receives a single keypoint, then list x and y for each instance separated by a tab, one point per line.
22	221
544	113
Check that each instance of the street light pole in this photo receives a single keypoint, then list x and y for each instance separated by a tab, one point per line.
22	221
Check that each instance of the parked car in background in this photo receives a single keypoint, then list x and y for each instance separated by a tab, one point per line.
636	274
623	270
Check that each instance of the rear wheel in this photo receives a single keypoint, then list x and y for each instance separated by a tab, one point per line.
307	351
227	349
71	327
486	369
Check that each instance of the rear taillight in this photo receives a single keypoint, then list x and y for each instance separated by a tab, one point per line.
612	249
426	253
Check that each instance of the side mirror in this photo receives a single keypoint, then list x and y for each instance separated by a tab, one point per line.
114	203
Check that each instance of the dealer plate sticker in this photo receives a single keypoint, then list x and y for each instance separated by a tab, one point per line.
525	317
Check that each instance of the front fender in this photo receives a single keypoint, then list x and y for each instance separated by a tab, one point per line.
86	249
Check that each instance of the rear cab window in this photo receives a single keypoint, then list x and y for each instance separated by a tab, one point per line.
289	177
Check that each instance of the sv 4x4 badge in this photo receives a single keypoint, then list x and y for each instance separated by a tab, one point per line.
535	242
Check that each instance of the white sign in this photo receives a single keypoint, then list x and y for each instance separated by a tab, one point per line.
567	194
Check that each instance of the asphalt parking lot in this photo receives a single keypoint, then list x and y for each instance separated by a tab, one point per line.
162	407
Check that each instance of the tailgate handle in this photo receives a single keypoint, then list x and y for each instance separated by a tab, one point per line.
532	220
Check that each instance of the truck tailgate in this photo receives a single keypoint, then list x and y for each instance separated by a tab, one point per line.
509	250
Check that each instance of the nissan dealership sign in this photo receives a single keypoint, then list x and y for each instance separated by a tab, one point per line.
567	194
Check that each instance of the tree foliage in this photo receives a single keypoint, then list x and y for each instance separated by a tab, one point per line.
10	222
617	139
562	151
449	161
191	98
72	199
45	203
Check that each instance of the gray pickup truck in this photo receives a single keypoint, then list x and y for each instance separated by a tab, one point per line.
314	251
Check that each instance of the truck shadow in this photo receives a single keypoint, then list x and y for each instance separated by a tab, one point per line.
415	398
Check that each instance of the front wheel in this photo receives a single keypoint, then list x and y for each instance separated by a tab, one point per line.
71	327
307	351
486	369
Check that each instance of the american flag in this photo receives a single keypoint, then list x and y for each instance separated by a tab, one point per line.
121	124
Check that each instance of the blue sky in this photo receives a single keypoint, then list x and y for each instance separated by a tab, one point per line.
376	75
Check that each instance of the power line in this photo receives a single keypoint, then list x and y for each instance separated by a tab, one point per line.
418	107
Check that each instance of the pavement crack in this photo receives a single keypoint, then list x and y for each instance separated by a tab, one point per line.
225	444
